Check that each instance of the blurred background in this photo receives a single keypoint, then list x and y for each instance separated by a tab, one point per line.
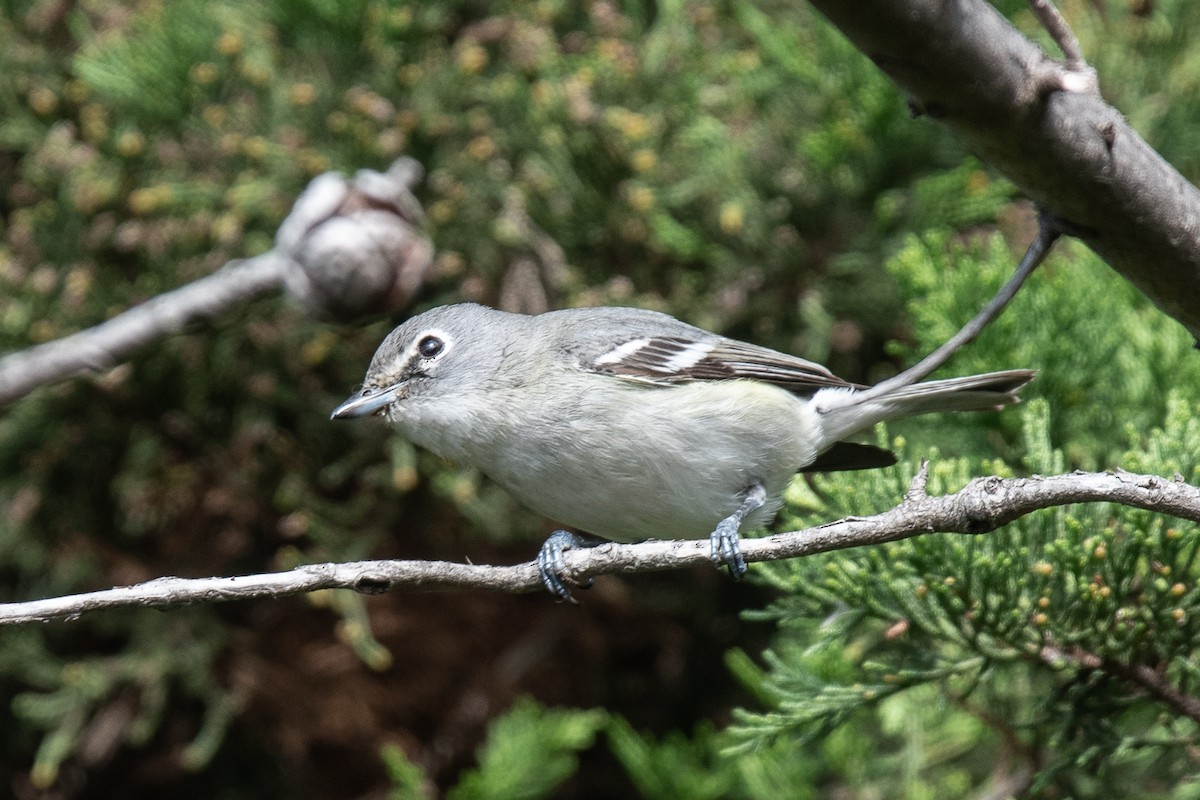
738	165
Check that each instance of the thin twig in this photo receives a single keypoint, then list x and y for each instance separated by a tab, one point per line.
1142	675
1018	762
1054	23
983	505
1039	248
107	344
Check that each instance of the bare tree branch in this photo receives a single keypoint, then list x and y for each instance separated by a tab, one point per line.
1049	132
109	343
985	504
1153	681
1039	248
1052	20
348	247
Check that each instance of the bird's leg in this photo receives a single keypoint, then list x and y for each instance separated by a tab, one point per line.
725	548
551	566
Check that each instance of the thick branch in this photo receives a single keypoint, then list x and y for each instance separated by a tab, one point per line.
965	65
983	505
109	343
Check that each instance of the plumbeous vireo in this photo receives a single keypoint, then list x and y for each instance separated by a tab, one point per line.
629	424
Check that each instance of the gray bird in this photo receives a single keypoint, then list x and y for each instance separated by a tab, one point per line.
629	424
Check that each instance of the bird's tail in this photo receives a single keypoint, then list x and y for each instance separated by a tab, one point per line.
844	415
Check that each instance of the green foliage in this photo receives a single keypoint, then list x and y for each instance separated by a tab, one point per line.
1010	627
699	767
146	71
528	753
1106	358
145	145
1153	77
408	780
69	701
738	165
679	766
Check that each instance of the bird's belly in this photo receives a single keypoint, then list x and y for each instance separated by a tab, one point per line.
670	465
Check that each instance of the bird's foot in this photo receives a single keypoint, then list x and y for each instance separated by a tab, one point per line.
551	565
726	550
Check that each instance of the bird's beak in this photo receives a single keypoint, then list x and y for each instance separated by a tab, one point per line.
365	403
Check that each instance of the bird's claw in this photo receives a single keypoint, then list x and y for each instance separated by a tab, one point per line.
726	551
551	565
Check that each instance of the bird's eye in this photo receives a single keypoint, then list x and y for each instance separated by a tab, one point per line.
430	347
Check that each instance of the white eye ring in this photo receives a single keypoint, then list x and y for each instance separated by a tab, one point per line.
431	345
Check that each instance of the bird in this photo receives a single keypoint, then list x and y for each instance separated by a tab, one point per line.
628	424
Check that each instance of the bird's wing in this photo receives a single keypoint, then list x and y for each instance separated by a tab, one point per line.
684	359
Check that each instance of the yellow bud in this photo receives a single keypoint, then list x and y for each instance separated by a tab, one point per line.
204	73
348	631
215	115
410	74
149	199
732	217
229	44
441	211
978	181
405	479
634	125
541	93
464	491
302	94
255	147
337	121
43	775
643	160
472	58
230	143
313	162
256	74
481	148
131	143
43	101
641	198
93	120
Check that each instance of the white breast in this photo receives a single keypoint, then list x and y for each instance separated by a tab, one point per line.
634	462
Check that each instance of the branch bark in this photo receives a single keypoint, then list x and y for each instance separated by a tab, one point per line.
108	344
964	64
985	504
348	247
